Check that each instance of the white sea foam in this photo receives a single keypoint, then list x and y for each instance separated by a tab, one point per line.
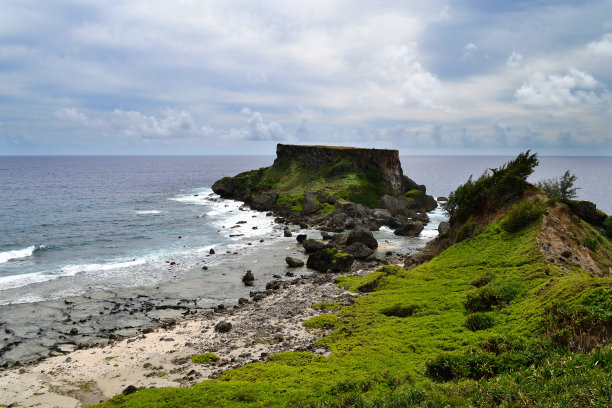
16	281
200	197
74	269
144	212
16	254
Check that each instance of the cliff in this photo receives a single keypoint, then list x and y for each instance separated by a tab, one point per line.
320	185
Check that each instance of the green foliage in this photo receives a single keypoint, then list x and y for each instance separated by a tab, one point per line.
493	189
320	322
482	280
479	321
523	214
561	189
591	242
401	309
205	358
494	294
468	228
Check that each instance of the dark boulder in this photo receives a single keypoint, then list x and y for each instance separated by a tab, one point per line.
310	206
410	229
130	389
248	278
264	201
330	259
364	236
358	250
223	327
395	205
312	245
444	227
294	262
588	212
354	210
274	285
326	235
338	240
301	238
225	187
287	233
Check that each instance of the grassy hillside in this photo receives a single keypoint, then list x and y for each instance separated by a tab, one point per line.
498	319
488	322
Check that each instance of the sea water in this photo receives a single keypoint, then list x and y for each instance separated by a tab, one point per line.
74	224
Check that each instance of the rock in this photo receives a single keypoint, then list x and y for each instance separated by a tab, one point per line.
223	327
444	227
330	259
301	238
325	235
395	205
273	285
364	236
309	206
294	262
410	229
243	301
338	240
588	212
264	201
354	210
287	233
358	250
382	214
211	252
248	278
130	389
74	331
566	254
312	245
442	199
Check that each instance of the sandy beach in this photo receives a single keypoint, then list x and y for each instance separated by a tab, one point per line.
161	357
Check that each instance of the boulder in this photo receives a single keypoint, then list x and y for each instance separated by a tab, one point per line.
310	206
364	236
354	210
301	238
410	229
358	250
444	227
264	201
225	187
338	240
382	214
588	212
312	245
223	327
294	262
330	259
395	205
274	285
248	278
287	233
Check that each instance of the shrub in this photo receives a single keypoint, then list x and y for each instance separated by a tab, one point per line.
523	214
401	310
591	242
321	322
494	294
560	189
479	321
483	279
492	189
205	358
579	327
467	231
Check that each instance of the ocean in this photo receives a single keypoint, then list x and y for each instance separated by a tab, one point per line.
69	225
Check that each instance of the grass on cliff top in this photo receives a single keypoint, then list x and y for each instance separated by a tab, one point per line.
409	341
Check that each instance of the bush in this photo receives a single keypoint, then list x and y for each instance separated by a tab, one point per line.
483	279
494	294
579	327
205	358
479	321
491	189
401	310
321	322
523	214
560	189
591	242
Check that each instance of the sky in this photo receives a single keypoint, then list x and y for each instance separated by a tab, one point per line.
439	77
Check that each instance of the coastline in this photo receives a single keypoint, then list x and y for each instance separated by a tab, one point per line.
151	336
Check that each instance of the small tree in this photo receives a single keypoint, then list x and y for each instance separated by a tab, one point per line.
561	189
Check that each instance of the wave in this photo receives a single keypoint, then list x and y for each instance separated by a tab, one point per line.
17	253
199	197
144	212
74	269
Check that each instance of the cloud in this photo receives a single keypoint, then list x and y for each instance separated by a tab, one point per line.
469	50
71	115
260	130
602	47
514	60
551	90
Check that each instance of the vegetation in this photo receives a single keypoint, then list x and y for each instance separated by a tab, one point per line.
205	358
493	189
488	322
561	189
522	214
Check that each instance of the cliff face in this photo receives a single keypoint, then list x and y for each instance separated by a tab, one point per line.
314	158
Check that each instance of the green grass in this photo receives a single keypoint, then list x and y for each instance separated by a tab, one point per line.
205	358
406	342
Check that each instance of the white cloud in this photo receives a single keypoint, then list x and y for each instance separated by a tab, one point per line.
514	60
603	46
469	50
72	115
551	90
258	129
